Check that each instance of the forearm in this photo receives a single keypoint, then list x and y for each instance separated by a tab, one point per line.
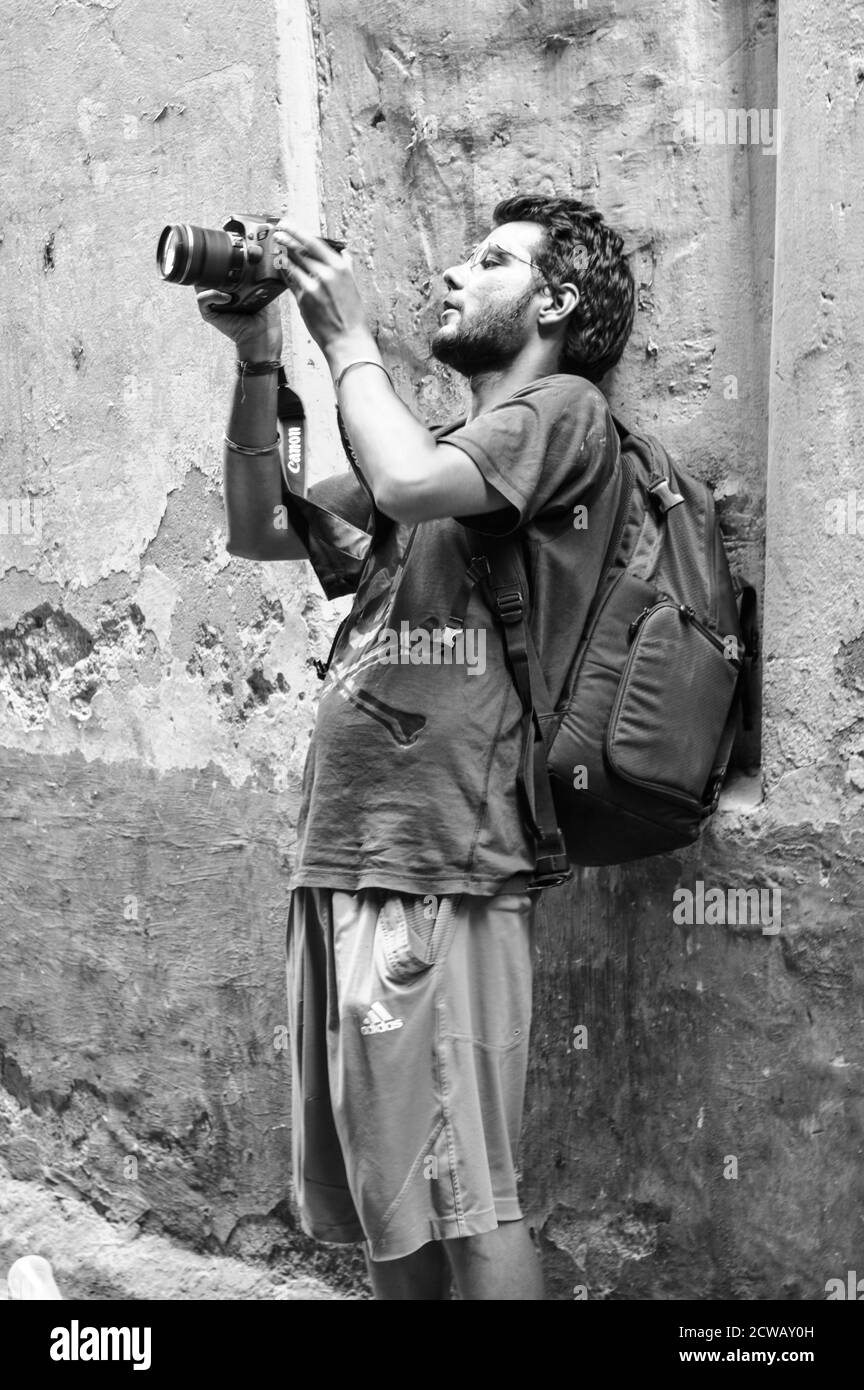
258	522
252	421
394	450
412	477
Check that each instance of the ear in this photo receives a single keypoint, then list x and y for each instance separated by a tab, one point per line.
558	304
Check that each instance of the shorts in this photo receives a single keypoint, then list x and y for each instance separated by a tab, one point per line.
409	1020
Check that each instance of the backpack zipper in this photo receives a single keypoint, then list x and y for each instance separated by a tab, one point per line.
585	642
711	543
688	613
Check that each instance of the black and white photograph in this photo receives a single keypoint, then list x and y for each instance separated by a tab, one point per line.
431	670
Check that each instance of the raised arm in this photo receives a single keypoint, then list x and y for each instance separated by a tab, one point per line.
258	524
411	476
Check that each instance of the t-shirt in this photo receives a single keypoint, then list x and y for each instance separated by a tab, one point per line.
410	781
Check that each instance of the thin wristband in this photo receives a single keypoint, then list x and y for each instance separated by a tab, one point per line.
244	448
362	362
257	368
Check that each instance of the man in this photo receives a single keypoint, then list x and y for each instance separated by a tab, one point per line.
409	935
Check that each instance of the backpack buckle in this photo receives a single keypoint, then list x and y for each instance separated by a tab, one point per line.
509	603
662	493
553	867
550	871
479	568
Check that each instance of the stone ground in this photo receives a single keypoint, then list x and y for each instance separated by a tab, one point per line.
96	1259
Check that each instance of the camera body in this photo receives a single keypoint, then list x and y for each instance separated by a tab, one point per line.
238	259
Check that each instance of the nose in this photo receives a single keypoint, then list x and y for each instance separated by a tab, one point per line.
454	276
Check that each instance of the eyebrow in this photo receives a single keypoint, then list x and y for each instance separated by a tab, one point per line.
496	246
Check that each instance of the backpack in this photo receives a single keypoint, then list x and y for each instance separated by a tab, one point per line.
629	758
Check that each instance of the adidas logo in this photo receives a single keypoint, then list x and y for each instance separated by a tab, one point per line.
379	1020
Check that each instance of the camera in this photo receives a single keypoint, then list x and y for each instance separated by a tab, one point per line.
237	259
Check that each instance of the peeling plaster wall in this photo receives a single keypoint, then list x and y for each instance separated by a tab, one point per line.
156	696
703	1044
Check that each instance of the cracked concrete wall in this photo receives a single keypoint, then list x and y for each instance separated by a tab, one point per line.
156	696
701	1137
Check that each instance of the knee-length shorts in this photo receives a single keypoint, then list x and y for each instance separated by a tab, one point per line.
409	1020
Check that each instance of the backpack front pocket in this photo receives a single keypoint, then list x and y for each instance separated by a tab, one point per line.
672	702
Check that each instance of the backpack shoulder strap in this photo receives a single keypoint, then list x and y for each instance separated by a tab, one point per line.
505	582
506	587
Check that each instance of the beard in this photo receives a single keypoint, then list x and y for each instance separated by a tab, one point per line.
490	343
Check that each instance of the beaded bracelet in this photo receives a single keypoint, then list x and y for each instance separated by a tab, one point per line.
257	368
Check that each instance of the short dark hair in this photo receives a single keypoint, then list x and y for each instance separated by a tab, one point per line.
581	247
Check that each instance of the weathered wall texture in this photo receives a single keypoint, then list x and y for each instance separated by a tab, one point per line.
156	696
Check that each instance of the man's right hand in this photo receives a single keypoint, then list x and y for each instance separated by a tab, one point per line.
257	337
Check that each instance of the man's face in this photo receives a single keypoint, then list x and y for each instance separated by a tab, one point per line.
490	309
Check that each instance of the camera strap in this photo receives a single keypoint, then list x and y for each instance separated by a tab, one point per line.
292	427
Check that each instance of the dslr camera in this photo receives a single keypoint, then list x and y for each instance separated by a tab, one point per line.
237	259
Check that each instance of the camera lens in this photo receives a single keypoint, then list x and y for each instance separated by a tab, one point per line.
168	253
187	255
